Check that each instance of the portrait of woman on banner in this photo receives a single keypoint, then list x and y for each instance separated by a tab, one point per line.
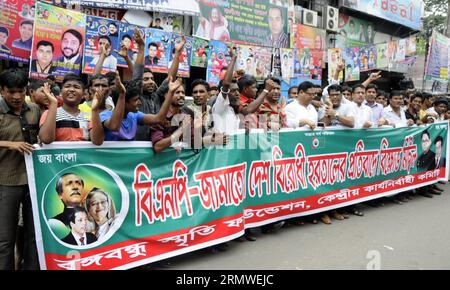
215	27
101	212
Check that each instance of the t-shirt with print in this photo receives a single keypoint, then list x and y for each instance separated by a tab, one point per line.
69	127
128	127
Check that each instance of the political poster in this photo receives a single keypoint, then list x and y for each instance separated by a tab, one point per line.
185	56
58	42
158	44
246	59
16	29
218	61
335	58
101	32
126	39
303	36
200	50
287	63
244	22
352	64
382	55
303	61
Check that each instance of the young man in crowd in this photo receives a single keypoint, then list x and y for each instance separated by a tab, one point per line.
271	113
301	113
363	114
393	115
19	123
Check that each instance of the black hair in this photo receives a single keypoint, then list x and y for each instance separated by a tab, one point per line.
51	78
279	8
414	95
105	37
4	30
274	79
304	86
45	43
337	88
111	76
59	185
133	88
439	138
92	78
291	88
357	86
201	82
73	214
29	22
13	78
153	44
36	84
73	77
347	88
425	133
147	70
74	33
372	86
126	36
440	100
396	93
246	81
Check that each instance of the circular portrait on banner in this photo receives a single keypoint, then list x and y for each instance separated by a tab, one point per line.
84	205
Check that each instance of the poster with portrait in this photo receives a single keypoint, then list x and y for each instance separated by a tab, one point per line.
382	55
167	22
287	63
185	56
200	50
335	58
401	50
372	60
411	45
58	42
303	61
276	63
355	31
303	36
263	62
246	59
16	29
218	61
247	22
352	63
126	33
392	53
316	63
101	32
157	49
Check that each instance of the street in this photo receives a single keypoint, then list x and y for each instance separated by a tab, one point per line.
413	236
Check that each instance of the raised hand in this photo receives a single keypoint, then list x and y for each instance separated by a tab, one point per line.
174	85
180	44
104	50
270	84
48	94
97	100
123	51
374	76
138	37
119	84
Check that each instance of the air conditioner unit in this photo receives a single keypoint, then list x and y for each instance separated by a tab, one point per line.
332	19
309	17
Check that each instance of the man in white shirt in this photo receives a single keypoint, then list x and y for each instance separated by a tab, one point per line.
393	115
363	114
105	46
301	113
335	114
226	108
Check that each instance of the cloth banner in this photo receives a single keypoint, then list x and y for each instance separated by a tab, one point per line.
134	207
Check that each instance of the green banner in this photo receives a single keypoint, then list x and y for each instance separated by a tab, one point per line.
120	206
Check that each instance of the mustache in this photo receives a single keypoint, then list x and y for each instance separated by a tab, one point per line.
75	193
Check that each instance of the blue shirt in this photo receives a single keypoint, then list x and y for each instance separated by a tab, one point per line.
128	128
26	45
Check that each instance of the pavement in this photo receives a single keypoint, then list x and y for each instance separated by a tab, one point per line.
414	235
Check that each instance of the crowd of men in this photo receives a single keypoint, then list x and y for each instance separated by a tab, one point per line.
109	109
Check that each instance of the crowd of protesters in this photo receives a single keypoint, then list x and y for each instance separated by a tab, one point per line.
108	108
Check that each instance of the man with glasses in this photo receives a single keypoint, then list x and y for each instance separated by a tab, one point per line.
301	113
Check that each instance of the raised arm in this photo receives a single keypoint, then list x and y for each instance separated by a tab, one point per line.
372	77
173	70
48	128
229	74
254	106
161	115
101	59
97	133
115	122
